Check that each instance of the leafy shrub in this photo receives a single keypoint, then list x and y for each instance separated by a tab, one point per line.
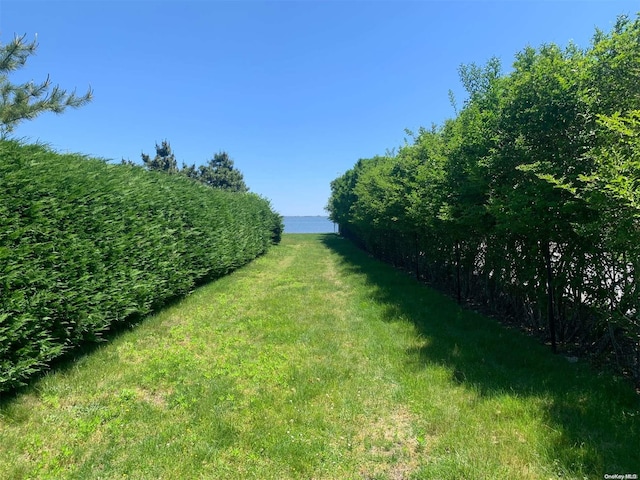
85	245
528	201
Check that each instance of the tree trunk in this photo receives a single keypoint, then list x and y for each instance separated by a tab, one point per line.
417	257
550	309
458	289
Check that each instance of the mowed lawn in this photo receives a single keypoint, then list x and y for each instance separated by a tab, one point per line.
317	362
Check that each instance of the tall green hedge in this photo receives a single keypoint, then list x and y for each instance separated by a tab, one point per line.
528	201
85	245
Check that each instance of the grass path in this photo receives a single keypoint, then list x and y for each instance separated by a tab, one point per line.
317	362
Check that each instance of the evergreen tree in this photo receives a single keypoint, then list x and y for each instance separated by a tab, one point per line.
164	161
28	100
220	172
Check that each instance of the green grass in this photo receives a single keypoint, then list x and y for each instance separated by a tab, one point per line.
316	361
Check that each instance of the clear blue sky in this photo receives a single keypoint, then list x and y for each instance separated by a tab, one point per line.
295	91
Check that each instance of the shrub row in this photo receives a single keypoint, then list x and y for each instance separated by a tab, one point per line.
528	201
85	245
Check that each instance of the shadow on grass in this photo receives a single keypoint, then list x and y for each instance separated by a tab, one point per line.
70	359
594	413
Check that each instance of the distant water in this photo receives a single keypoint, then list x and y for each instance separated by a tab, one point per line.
309	225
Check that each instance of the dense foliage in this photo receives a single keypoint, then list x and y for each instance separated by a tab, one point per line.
528	200
85	245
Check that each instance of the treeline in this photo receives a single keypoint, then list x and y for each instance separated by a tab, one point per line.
86	245
528	201
218	172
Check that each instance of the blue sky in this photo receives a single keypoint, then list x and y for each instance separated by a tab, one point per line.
295	91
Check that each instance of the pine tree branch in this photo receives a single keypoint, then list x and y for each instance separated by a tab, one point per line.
28	100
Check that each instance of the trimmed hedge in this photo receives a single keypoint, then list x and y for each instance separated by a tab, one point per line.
85	245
